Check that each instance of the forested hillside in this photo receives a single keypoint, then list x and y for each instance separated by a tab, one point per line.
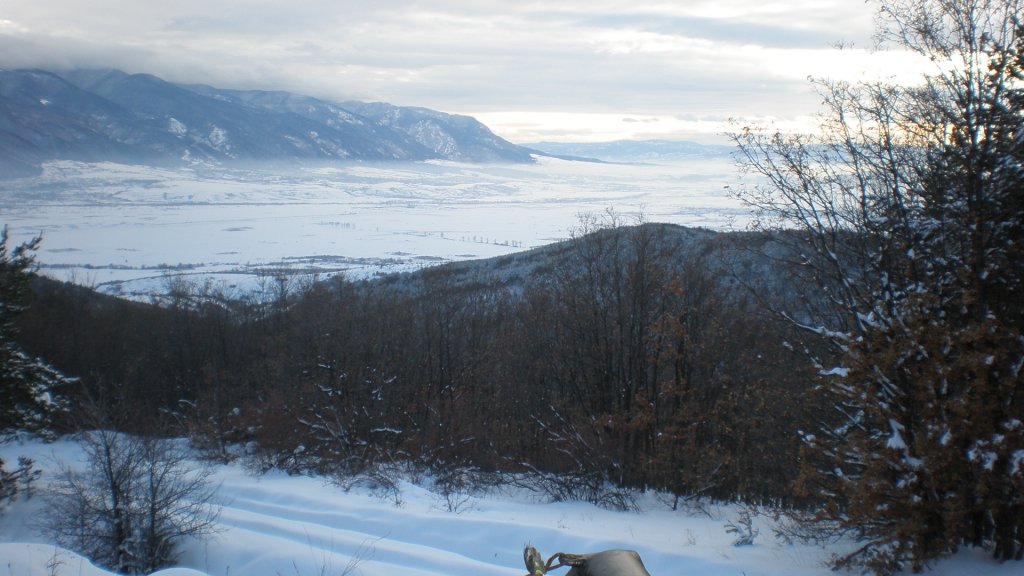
625	357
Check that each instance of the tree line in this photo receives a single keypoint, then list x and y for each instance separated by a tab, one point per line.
634	357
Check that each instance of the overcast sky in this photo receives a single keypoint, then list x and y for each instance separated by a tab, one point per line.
569	70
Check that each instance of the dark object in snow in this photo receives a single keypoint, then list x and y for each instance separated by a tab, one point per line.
607	563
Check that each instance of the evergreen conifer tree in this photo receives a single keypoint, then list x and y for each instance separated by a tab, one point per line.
30	389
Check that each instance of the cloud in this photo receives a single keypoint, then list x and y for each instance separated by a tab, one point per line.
612	58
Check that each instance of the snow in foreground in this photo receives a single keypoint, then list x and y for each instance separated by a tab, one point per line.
276	524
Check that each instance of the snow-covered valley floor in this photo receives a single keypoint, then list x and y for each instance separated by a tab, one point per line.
275	524
125	228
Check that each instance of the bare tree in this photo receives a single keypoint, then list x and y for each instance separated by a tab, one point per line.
131	504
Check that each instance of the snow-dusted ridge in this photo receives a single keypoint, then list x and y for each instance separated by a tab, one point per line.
110	115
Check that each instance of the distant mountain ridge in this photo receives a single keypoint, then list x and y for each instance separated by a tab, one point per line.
94	115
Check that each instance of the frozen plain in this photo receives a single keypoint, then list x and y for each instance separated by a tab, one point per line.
125	228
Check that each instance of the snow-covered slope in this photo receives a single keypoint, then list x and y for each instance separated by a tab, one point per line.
276	524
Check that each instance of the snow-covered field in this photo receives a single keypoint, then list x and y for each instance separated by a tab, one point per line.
276	524
125	228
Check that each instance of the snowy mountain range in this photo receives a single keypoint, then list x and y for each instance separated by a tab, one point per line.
96	115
